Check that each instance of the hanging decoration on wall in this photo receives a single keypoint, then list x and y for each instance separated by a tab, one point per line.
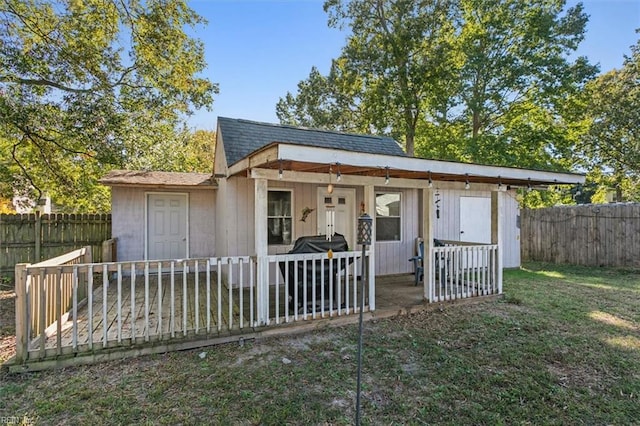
305	213
330	186
437	202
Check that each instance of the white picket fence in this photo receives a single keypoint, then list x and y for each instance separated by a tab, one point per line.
311	286
462	271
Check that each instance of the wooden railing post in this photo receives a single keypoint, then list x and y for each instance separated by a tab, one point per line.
22	313
88	255
109	250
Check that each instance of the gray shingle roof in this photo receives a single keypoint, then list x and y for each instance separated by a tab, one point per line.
242	137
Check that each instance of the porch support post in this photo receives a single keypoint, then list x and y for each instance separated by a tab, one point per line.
370	207
22	313
427	226
261	250
497	234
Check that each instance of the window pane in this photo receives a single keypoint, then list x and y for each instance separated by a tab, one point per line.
279	230
279	203
279	220
388	204
388	229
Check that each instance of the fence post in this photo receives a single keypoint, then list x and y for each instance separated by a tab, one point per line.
22	313
38	235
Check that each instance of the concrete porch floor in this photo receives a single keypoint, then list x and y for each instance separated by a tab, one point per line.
397	292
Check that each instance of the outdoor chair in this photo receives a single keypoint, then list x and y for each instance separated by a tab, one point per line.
418	261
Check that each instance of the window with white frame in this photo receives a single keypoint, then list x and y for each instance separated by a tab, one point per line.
279	218
388	227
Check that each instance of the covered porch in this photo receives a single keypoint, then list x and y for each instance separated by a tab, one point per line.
467	265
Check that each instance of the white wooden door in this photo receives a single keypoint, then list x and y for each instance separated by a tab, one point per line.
167	226
475	219
342	201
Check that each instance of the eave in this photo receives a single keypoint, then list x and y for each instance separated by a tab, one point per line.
307	159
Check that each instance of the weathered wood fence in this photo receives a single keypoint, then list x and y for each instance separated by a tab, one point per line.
590	235
30	238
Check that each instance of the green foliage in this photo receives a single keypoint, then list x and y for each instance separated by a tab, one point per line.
611	147
470	80
86	85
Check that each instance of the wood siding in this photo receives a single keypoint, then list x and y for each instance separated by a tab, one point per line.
235	218
392	257
129	222
590	235
447	227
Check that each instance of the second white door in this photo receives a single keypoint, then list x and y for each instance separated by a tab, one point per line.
342	202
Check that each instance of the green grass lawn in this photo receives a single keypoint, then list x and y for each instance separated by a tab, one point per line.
562	347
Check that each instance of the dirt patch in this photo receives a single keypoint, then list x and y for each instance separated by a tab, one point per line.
7	324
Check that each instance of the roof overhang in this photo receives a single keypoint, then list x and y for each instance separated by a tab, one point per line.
308	159
158	180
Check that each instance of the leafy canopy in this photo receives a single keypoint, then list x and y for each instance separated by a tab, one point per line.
471	80
87	85
611	147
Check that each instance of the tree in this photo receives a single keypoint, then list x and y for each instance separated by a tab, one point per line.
471	80
396	58
87	84
187	152
612	144
517	77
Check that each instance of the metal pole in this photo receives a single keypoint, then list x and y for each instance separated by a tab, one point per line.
362	281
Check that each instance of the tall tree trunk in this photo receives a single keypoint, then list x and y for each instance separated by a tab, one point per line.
476	124
410	143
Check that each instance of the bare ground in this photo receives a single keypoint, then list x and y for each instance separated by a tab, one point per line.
7	322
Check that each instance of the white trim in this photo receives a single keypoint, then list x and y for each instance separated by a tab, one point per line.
360	159
401	207
146	219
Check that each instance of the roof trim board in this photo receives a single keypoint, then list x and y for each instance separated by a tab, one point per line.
315	159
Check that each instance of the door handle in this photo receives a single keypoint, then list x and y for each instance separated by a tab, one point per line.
462	232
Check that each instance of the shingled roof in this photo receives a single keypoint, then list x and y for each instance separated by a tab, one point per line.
242	137
157	179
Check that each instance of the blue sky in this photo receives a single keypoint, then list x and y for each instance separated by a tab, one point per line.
257	50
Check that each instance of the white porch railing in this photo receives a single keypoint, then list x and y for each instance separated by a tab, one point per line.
132	304
461	271
311	285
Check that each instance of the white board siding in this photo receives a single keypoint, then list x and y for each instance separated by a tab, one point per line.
236	215
511	241
447	227
392	257
202	224
128	222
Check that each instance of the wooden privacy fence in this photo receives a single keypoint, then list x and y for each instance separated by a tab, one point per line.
30	238
590	235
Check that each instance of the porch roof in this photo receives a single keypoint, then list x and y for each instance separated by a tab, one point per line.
299	159
155	179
